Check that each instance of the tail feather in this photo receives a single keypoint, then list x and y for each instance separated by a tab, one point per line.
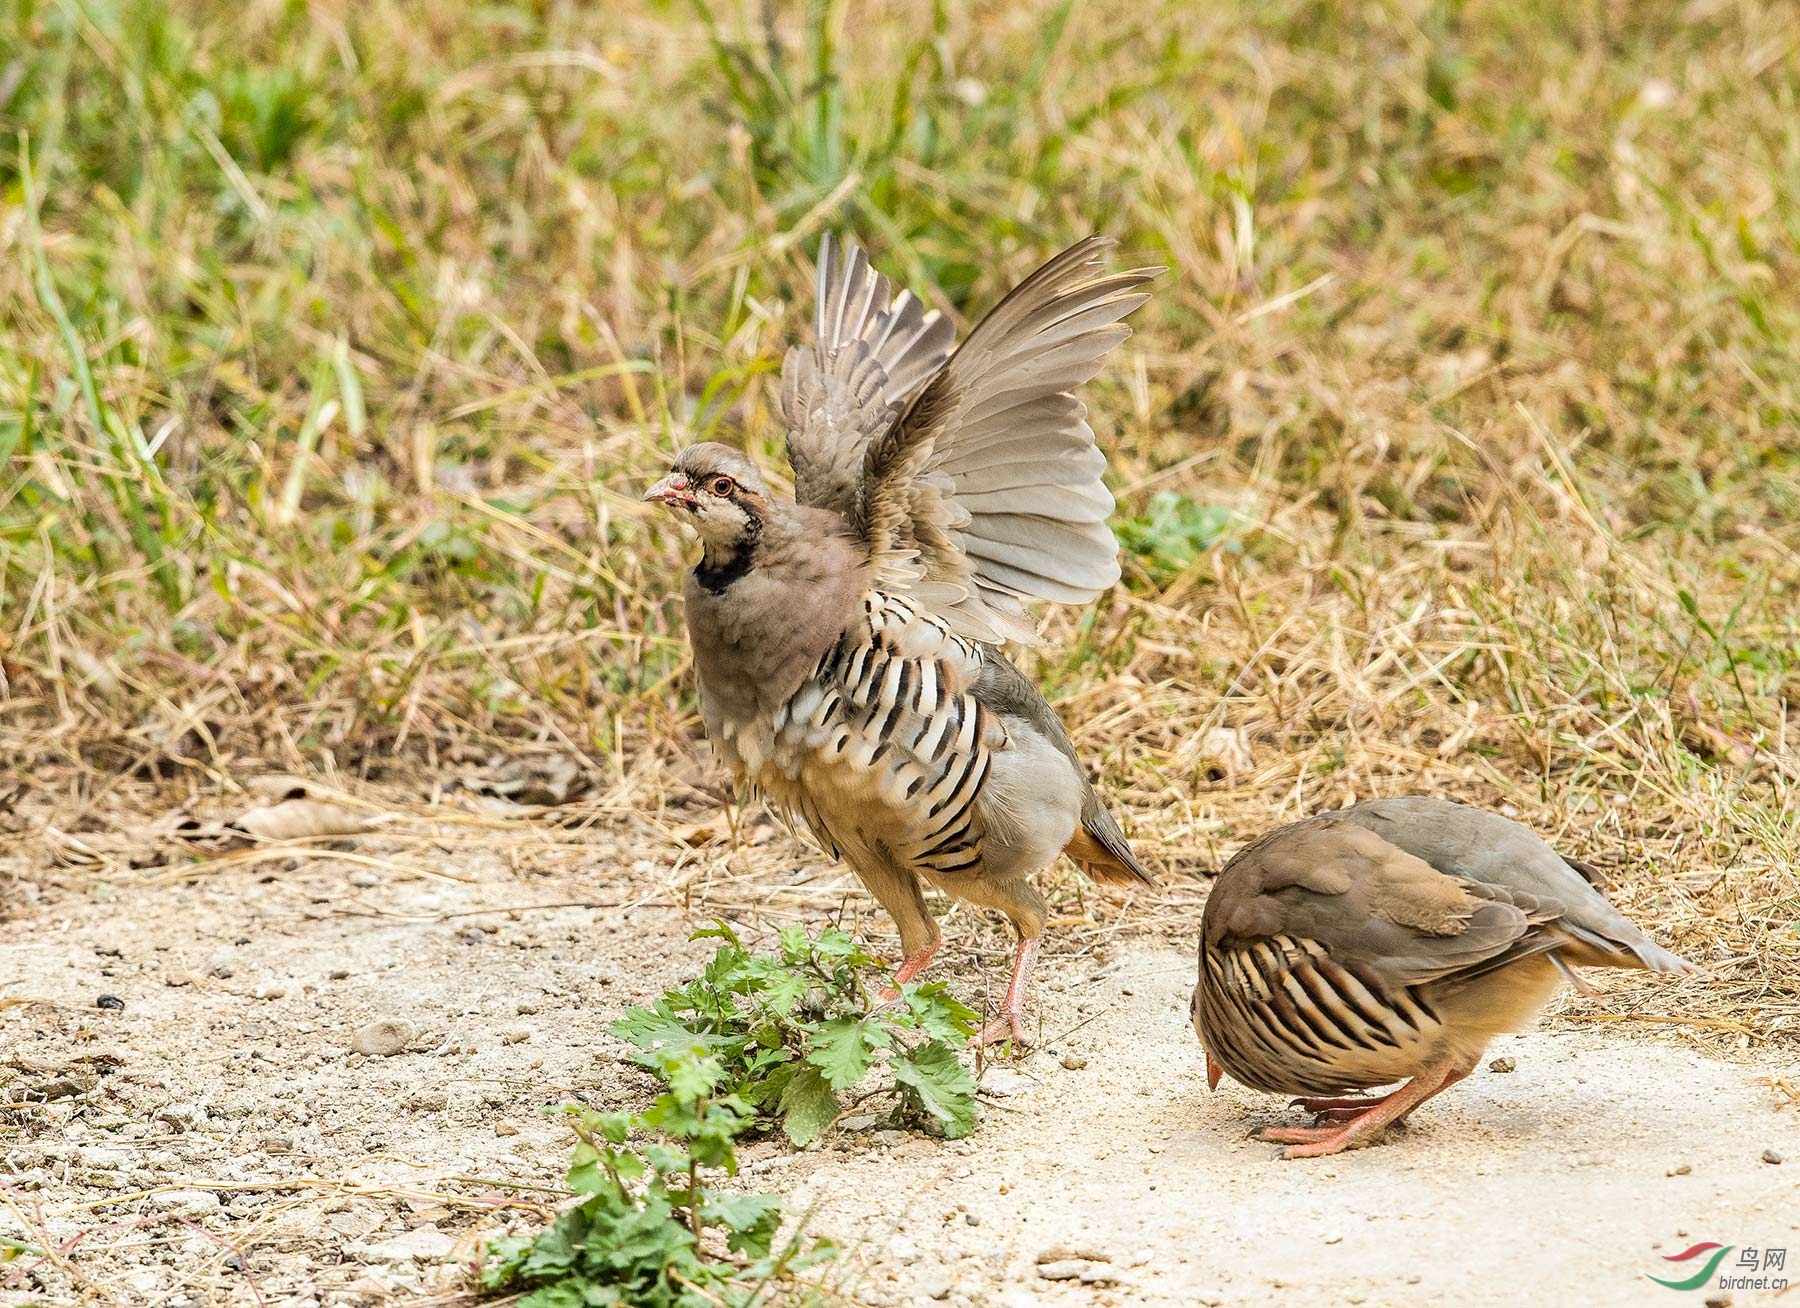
1591	950
1099	848
1658	959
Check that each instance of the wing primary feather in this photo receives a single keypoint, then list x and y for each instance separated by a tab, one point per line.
971	474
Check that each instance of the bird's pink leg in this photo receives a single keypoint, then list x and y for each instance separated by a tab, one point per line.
1009	1022
1366	1126
1332	1105
910	968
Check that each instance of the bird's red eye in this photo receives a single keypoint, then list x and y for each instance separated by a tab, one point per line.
720	486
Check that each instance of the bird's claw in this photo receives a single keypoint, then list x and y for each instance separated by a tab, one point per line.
1005	1028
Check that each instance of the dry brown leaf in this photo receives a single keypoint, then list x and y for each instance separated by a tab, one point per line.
300	819
696	834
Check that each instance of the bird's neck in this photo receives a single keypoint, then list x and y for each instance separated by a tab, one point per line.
723	562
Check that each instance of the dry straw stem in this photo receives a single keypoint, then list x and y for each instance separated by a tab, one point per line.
1459	450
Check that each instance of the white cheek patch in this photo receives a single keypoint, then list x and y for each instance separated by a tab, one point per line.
720	520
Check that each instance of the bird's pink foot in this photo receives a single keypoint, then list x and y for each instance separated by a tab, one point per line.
1293	1135
910	968
1006	1027
1353	1126
1009	1023
1332	1109
1331	1102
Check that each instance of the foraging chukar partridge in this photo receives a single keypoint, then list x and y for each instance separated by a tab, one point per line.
1391	941
846	646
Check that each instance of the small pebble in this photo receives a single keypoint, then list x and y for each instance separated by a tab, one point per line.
1718	1301
271	990
1772	1156
427	1244
517	1035
505	1129
383	1038
339	973
184	1117
1502	1065
189	1203
1003	1082
1074	1062
1063	1253
109	1001
1680	1169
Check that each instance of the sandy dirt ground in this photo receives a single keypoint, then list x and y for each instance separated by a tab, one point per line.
210	1137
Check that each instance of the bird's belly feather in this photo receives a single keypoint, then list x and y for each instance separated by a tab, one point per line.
1279	1015
884	751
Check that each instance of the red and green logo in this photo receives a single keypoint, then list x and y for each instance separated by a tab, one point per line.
1749	1272
1714	1254
1711	1250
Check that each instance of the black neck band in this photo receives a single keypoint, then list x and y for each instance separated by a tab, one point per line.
716	574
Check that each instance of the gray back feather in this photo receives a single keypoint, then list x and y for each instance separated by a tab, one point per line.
1488	849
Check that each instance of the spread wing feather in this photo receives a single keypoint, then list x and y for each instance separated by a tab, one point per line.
973	476
989	482
870	354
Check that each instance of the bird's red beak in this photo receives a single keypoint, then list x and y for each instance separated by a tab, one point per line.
672	489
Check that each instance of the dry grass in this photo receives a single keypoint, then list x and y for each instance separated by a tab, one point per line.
1462	443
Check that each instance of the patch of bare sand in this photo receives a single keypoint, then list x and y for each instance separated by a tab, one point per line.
215	1141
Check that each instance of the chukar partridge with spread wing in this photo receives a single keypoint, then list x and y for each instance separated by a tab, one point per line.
846	643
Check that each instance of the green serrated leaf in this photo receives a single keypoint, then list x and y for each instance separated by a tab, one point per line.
833	943
932	1009
719	930
840	1050
766	1091
785	991
807	1105
933	1080
750	1221
585	1175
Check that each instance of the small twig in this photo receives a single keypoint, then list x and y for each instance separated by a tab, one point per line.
1710	1023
